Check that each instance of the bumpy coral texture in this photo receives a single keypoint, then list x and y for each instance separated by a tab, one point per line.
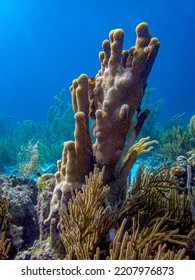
113	100
119	89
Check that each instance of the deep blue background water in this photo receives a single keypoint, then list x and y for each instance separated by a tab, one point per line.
45	44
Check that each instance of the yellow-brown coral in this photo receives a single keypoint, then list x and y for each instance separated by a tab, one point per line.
111	99
5	246
150	243
119	94
84	222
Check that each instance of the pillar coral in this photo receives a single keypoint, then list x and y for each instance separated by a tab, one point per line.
113	100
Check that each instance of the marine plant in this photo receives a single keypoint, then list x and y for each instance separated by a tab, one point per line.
192	126
175	139
29	159
21	137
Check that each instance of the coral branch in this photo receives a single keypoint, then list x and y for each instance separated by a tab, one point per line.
83	223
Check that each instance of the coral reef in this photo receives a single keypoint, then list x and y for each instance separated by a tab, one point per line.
85	220
148	243
22	228
154	222
111	98
88	210
184	169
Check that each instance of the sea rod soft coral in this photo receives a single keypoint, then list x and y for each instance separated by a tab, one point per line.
113	100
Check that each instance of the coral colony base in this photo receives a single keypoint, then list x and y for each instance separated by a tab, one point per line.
88	210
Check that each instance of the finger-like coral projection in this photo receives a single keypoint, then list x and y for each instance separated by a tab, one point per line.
119	89
113	100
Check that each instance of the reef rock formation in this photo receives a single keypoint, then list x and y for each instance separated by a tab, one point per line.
22	226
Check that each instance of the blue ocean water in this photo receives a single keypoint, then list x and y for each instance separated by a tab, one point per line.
44	45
